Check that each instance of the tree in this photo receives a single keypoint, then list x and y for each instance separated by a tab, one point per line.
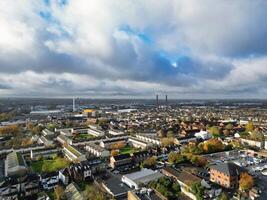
114	152
167	141
249	126
246	181
199	161
118	145
213	145
223	196
150	162
175	158
214	131
59	193
257	136
93	192
198	190
229	127
9	130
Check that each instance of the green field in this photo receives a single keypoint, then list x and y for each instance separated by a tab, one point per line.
47	165
128	149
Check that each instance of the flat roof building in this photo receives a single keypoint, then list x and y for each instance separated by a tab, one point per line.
134	180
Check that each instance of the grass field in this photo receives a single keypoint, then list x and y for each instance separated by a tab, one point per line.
47	165
128	149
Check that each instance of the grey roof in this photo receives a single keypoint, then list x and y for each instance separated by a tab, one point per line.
72	192
15	159
229	169
116	186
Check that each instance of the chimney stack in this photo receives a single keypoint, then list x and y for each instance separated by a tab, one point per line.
166	99
73	105
157	100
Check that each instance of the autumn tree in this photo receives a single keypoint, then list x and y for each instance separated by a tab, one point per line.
199	161
114	152
246	181
118	145
167	141
59	193
9	130
214	131
249	126
150	162
213	145
93	192
175	158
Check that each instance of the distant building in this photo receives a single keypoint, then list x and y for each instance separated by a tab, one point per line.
120	160
73	154
45	141
15	165
97	150
115	132
225	174
143	177
152	138
47	132
204	135
258	144
138	143
107	143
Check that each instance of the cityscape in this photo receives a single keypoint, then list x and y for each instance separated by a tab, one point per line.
133	149
133	100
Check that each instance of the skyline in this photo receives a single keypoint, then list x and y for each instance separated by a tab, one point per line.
133	49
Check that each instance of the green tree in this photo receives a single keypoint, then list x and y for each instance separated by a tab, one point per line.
198	190
223	196
214	131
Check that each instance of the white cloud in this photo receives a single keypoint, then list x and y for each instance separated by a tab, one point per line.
81	47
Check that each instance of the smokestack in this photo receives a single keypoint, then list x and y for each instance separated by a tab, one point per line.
73	105
166	99
157	100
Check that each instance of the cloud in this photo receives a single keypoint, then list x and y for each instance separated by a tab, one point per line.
133	48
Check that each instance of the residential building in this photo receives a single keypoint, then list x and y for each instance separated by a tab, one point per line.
97	150
225	174
152	138
138	143
15	165
44	140
73	154
120	160
47	132
49	180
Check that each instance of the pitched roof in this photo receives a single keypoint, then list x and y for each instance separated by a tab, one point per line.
229	168
122	156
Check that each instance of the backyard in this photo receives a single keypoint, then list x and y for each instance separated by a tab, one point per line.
128	149
49	165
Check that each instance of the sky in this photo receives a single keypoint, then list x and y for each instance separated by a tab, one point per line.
133	48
